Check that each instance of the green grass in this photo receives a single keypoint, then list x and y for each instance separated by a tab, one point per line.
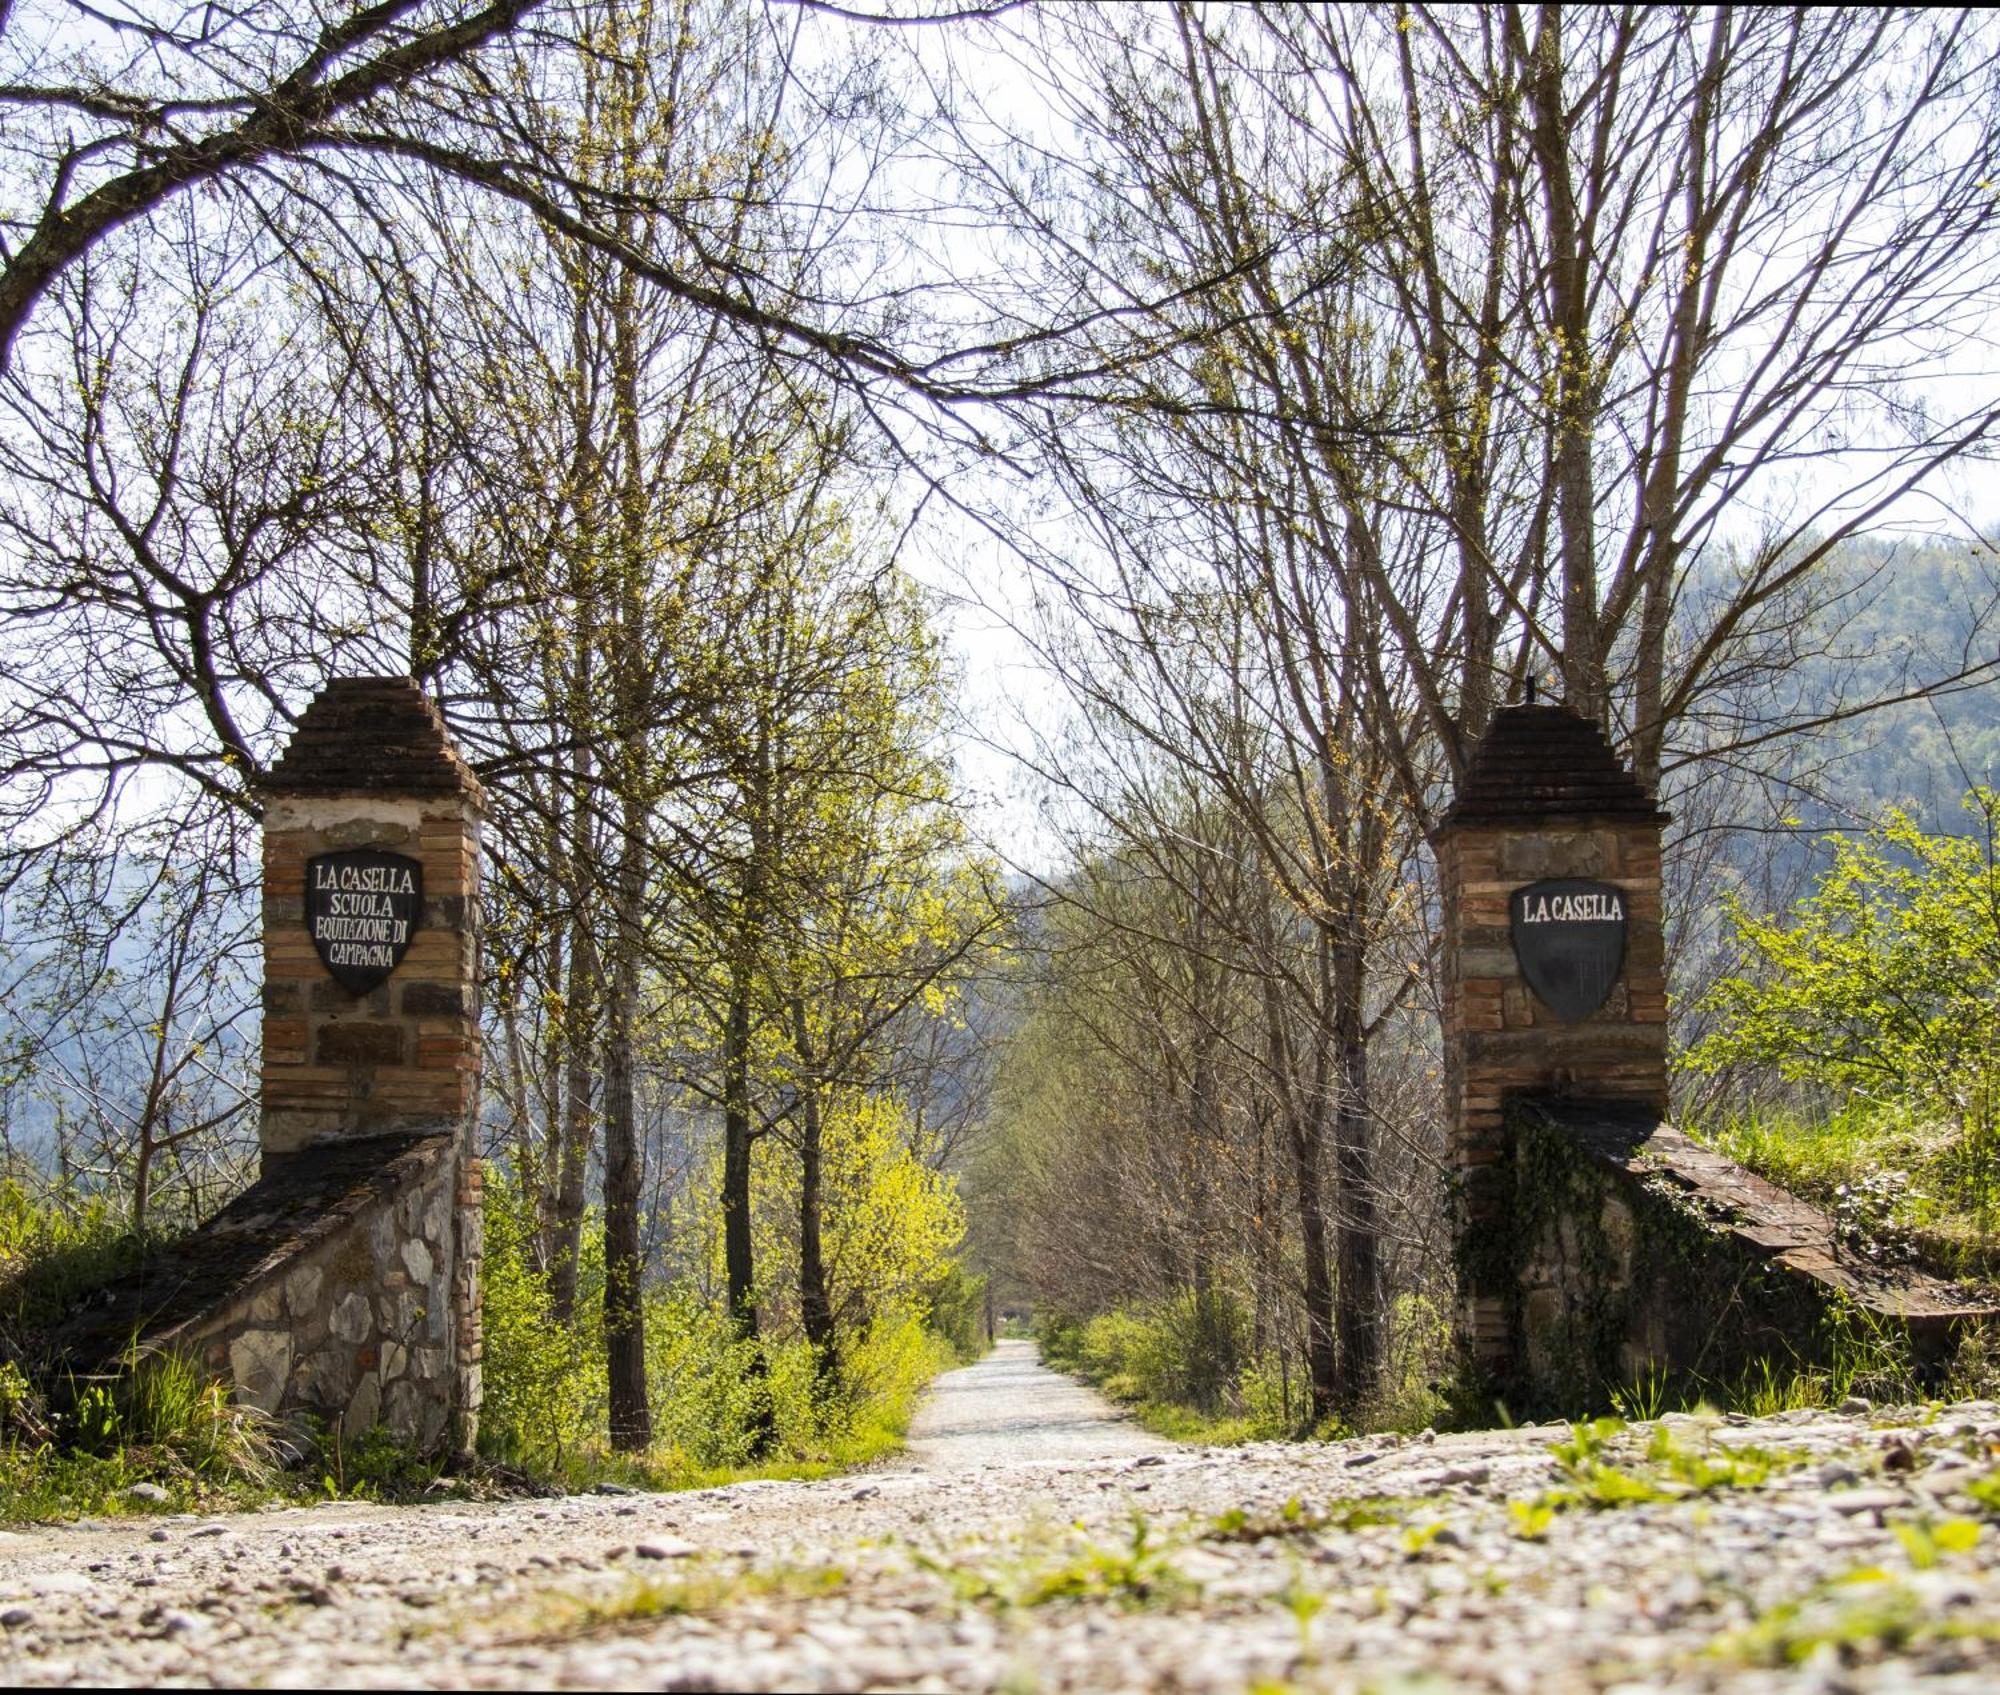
1893	1181
1179	1423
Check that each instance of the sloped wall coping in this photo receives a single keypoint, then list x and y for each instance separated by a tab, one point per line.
302	1201
1636	1144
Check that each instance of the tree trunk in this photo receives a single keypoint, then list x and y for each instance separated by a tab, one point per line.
1357	1320
1303	1136
737	1250
624	1265
1572	426
815	1304
1322	1355
578	1016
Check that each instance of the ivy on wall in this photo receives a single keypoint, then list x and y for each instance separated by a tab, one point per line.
1609	1277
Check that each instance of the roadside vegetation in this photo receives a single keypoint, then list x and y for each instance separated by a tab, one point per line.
1857	1045
1188	1367
723	1406
163	1438
1339	376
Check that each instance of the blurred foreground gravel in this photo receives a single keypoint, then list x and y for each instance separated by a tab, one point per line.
1031	1542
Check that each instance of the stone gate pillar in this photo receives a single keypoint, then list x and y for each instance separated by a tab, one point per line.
1549	847
371	917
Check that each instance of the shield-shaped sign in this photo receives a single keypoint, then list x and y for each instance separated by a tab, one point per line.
1569	935
362	907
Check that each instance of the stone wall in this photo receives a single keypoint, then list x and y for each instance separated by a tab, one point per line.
359	1327
329	1287
1627	1250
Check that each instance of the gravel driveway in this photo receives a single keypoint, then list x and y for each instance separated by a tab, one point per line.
1011	1408
1033	1543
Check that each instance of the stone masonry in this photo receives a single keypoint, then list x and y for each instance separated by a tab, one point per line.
345	1282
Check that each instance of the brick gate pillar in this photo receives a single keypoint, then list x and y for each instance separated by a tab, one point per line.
358	1057
1544	798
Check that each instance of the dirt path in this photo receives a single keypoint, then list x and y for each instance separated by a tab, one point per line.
1010	1409
1032	1544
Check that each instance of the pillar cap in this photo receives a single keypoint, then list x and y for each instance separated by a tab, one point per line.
1546	765
374	736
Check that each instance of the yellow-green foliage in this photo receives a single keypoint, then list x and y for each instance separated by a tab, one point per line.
957	1303
545	1393
54	1247
893	1223
1598	1478
1883	985
546	1403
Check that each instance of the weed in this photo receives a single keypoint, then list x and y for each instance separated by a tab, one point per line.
1863	1610
1532	1519
1713	1466
1927	1544
1645	1397
374	1466
1671	1470
1986	1491
1140	1573
1417	1538
1137	1575
1370	1511
1766	1387
1305	1604
1293	1519
702	1590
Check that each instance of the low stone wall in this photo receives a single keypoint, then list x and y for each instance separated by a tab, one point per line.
1625	1249
327	1287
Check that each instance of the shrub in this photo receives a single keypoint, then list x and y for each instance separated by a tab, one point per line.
55	1248
1883	987
957	1304
544	1390
1185	1362
546	1402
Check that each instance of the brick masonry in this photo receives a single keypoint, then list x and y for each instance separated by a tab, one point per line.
1544	797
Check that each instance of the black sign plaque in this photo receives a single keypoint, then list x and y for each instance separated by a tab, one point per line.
1569	935
362	907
